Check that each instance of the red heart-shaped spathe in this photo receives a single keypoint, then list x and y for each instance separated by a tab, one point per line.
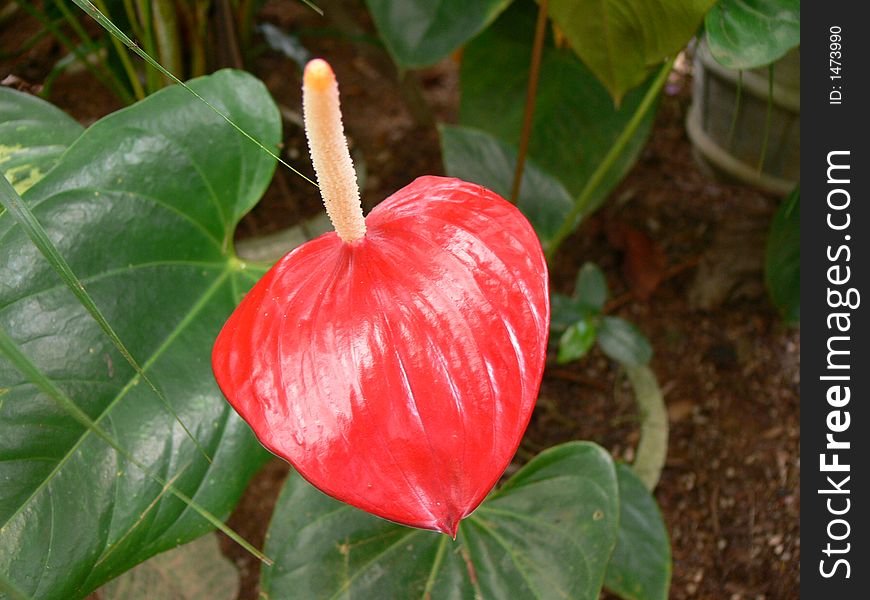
398	373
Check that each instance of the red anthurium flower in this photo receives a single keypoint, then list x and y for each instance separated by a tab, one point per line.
395	362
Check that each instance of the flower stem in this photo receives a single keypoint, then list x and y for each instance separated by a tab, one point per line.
581	204
329	152
534	70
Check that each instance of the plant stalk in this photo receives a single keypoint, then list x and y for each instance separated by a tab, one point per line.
227	35
143	12
74	24
582	202
138	91
166	34
735	114
109	81
767	120
531	93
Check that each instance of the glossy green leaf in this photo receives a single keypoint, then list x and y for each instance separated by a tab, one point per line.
621	39
421	32
194	571
623	342
142	206
547	533
744	34
62	401
640	567
782	269
33	135
576	341
575	122
591	287
476	156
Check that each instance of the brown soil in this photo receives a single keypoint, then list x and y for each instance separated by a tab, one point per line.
730	371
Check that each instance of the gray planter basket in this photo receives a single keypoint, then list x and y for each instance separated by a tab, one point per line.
727	128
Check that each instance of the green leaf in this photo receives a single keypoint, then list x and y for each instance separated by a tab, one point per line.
476	156
744	34
419	33
782	268
547	533
33	135
623	342
621	39
576	341
640	567
591	287
142	206
32	374
193	571
575	122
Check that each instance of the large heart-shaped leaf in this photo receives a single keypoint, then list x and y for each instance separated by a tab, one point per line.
33	135
143	207
621	39
640	567
547	533
421	32
575	122
744	34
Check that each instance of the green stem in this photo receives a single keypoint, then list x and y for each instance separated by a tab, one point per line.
767	120
582	202
199	38
735	114
135	26
436	565
152	77
313	6
529	112
109	82
138	92
166	35
74	23
227	34
246	11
